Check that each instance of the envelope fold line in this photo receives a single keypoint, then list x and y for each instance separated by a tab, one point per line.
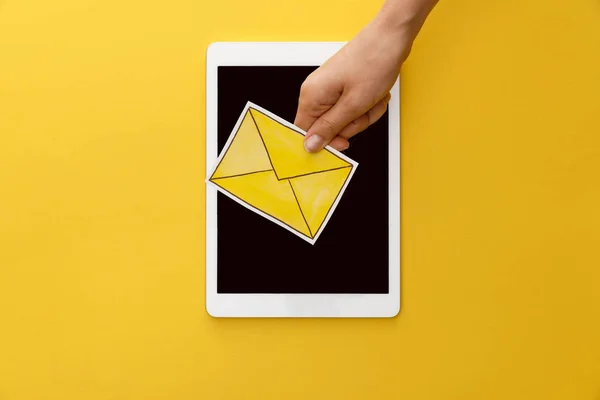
310	212
244	174
264	144
337	197
243	153
316	172
242	201
299	207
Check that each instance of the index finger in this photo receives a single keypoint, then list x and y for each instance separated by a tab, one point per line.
306	114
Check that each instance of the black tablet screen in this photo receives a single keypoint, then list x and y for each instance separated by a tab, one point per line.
257	256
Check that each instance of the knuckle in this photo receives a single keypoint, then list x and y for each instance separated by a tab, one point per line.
354	102
308	87
328	125
366	121
361	123
309	98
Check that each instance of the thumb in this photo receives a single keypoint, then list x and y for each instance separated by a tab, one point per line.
328	125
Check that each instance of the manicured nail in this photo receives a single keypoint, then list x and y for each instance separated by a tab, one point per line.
314	143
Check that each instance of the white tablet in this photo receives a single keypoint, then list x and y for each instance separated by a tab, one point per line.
255	267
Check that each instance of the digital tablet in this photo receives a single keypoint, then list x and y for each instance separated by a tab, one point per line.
255	267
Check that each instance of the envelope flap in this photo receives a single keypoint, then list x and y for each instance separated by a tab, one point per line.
285	147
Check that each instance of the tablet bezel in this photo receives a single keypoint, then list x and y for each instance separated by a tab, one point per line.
294	305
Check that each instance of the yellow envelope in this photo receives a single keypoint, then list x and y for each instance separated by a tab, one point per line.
264	167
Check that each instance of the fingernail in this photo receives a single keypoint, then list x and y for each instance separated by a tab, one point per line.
314	143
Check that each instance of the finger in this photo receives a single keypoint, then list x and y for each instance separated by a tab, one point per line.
366	120
317	96
339	143
306	115
326	127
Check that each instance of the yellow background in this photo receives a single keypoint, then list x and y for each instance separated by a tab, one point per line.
102	199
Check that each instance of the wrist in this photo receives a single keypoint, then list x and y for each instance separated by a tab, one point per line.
403	18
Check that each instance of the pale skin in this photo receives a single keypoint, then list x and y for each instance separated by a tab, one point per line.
350	91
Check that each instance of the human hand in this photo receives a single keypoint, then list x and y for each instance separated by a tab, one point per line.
350	91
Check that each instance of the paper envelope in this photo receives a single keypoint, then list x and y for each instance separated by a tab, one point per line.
264	167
